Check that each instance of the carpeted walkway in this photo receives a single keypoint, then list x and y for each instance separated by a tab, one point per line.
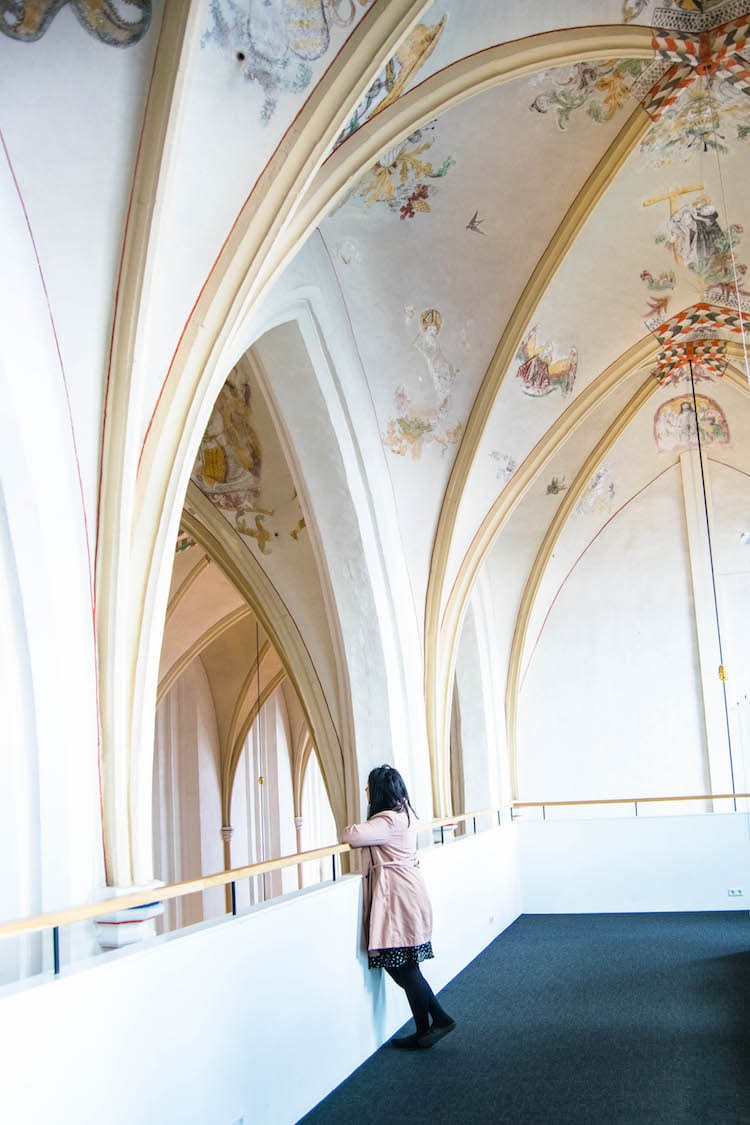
579	1018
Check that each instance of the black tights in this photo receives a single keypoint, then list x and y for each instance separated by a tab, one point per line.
420	996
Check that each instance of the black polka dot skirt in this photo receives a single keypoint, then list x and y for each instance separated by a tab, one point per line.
400	955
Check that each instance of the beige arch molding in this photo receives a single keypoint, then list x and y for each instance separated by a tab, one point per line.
139	506
231	762
173	674
215	535
551	538
179	27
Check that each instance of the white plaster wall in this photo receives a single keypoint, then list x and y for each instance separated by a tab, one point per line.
348	553
20	878
611	704
39	468
634	864
72	114
309	293
239	1018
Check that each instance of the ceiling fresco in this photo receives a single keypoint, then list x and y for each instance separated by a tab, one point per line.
529	277
433	247
449	195
661	255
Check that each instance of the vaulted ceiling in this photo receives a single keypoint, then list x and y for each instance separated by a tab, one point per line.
523	267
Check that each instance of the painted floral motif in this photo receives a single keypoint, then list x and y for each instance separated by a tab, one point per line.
599	89
675	428
275	41
409	434
505	466
556	486
27	21
631	9
392	81
599	494
400	179
423	407
184	541
701	119
661	287
537	370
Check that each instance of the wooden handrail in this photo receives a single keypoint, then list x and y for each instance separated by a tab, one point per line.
630	800
177	890
446	822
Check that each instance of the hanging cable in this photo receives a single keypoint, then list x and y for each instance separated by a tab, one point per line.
722	670
261	764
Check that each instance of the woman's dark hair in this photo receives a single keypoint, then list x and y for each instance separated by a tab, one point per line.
387	792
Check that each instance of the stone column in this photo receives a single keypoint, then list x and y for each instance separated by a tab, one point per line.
298	821
226	835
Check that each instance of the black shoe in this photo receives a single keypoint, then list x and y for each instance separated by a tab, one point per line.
408	1042
436	1032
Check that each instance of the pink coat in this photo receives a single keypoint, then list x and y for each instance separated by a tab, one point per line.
397	910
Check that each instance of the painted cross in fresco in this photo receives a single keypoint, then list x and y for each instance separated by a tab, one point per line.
699	242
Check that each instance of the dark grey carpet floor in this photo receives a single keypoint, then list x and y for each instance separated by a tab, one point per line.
578	1018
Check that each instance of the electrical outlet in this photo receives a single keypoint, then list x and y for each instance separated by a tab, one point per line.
735	892
492	918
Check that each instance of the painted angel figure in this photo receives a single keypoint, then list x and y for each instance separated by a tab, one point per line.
538	371
441	369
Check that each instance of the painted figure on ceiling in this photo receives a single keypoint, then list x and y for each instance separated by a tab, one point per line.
537	370
276	40
393	80
695	233
423	407
228	465
442	371
675	426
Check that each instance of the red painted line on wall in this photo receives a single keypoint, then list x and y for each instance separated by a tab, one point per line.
78	472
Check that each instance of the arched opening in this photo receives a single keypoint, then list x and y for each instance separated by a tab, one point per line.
247	669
